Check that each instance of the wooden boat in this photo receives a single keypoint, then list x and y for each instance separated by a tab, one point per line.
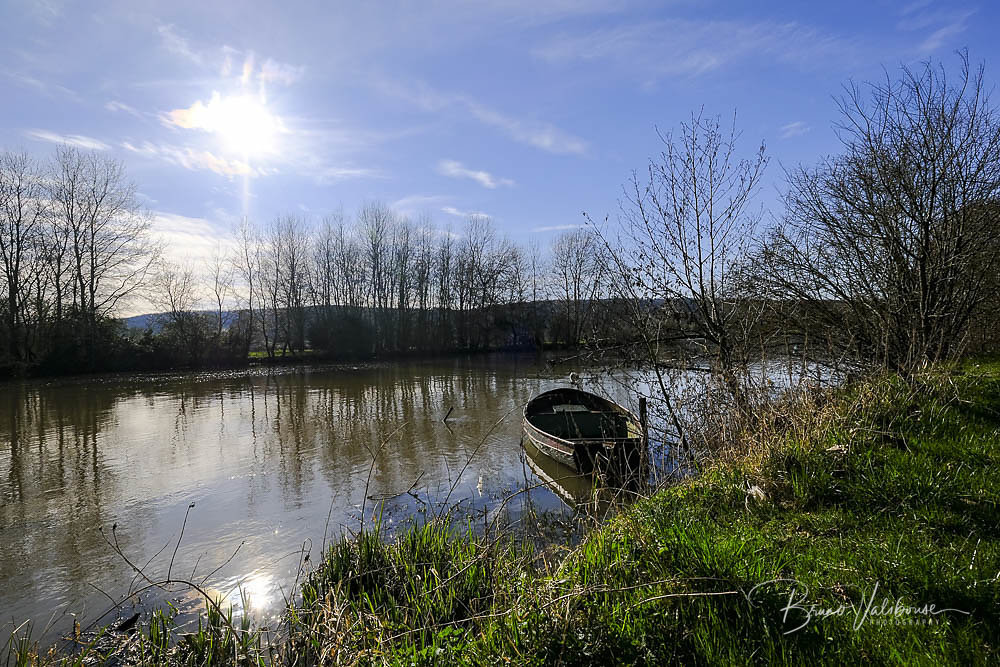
583	431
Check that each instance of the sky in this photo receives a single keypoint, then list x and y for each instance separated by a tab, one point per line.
529	111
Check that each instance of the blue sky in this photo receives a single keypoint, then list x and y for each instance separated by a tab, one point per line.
526	110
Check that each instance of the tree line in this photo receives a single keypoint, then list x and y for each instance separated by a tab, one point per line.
379	283
76	245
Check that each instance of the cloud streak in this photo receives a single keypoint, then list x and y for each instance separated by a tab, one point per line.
541	135
46	88
331	174
75	140
274	72
795	129
193	159
186	239
178	45
414	204
116	106
456	169
557	228
694	47
458	213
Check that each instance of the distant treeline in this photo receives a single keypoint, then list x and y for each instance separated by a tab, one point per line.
380	284
76	245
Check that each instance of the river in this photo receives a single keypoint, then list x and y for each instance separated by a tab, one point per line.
274	461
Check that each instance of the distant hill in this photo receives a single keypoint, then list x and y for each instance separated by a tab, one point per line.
154	320
146	321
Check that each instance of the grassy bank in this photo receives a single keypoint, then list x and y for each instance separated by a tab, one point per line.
880	491
864	507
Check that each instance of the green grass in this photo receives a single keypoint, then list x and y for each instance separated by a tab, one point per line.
882	489
883	485
262	354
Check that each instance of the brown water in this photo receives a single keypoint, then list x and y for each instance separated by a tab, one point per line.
275	461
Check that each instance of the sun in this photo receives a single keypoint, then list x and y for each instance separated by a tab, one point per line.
242	122
246	125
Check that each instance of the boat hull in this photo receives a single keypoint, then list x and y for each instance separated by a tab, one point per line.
555	448
609	444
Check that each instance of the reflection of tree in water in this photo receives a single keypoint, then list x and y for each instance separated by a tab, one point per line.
53	440
255	450
286	403
333	424
58	484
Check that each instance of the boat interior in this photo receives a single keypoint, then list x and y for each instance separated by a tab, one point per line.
565	416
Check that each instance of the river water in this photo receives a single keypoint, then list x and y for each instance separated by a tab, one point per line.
274	462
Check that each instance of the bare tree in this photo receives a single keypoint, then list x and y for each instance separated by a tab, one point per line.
325	280
246	261
444	265
677	261
423	267
176	294
402	279
111	249
293	237
887	249
221	279
375	221
22	217
270	261
576	269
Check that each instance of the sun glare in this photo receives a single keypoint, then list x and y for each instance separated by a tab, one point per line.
244	124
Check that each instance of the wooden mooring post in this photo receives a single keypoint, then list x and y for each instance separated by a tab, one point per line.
644	451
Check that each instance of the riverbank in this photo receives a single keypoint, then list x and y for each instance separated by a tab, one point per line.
858	525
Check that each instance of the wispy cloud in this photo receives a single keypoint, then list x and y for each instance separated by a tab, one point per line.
45	11
458	213
534	13
222	59
944	24
268	72
47	88
556	228
331	174
411	205
188	242
115	106
540	135
544	136
456	169
273	71
653	50
914	6
174	43
939	37
193	159
186	239
795	129
76	140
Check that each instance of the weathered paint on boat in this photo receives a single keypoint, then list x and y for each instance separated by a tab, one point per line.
592	449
